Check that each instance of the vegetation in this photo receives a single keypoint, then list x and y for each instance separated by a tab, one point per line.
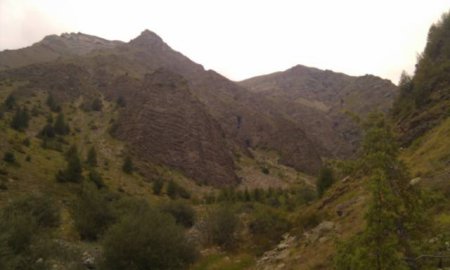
127	166
183	213
147	239
221	225
158	185
74	170
20	119
91	159
92	213
325	180
395	214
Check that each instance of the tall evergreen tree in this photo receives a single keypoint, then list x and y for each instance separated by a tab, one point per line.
61	127
325	180
92	157
52	104
395	213
127	166
20	119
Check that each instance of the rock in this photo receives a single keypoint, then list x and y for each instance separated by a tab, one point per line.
88	260
415	181
39	261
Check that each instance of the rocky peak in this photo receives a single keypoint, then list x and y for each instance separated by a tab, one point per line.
147	39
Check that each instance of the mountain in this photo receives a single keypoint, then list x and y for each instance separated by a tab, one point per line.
230	118
319	100
53	47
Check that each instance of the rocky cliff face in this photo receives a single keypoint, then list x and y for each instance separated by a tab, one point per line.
318	100
165	123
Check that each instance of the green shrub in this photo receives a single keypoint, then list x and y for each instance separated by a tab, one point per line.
174	191
221	225
158	185
97	105
183	213
147	239
267	226
23	232
92	213
91	159
127	166
9	157
96	178
20	119
325	180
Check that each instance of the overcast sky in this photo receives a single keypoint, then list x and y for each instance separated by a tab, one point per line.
245	38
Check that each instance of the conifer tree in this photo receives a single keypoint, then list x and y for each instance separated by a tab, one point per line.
10	102
20	119
127	166
92	157
395	213
52	104
61	127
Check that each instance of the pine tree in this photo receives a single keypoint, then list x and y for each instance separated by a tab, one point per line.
127	166
325	180
20	119
158	184
10	102
92	157
395	213
52	104
97	105
73	171
60	127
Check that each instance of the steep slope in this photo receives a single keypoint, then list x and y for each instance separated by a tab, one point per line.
53	47
165	123
319	99
247	120
424	99
190	139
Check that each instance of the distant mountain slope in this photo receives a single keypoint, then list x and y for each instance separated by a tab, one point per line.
53	47
203	120
319	99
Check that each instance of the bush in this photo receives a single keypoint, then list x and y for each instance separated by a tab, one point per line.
97	179
92	213
127	166
23	225
324	181
91	159
267	226
221	224
97	105
183	213
147	239
174	191
158	185
9	157
20	119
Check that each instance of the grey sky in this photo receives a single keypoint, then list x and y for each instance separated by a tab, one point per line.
245	38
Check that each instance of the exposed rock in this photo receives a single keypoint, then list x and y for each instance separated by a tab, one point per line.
415	181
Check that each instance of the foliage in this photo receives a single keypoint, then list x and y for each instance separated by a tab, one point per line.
9	157
325	180
97	105
20	119
74	170
267	226
147	239
23	226
127	166
92	213
158	185
121	102
96	178
91	159
174	191
52	104
221	225
395	214
10	102
183	213
61	127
